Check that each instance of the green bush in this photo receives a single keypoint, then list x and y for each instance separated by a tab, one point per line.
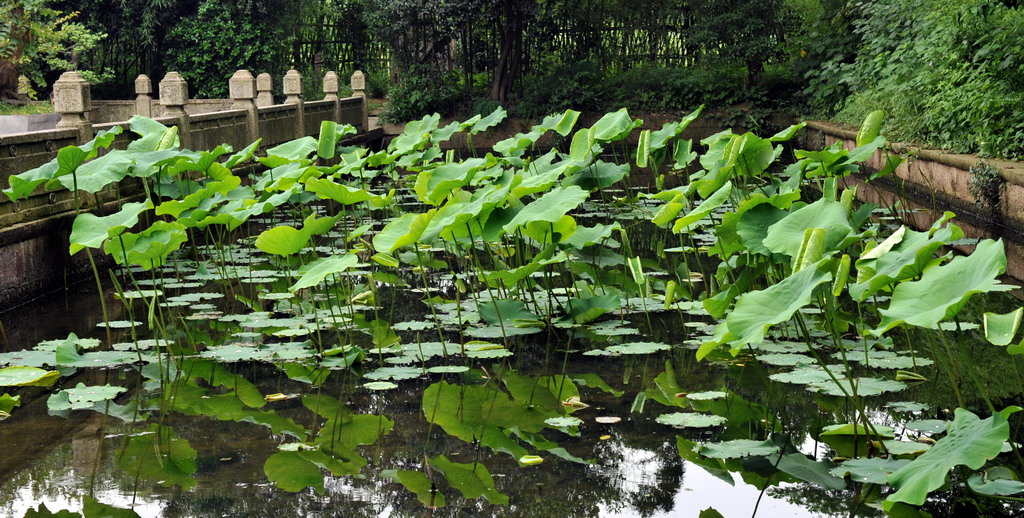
219	39
949	74
563	86
422	91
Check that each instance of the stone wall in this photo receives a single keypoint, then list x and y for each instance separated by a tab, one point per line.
34	231
931	182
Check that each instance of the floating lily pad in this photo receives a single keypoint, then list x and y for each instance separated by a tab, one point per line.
380	385
82	397
785	359
905	447
869	471
706	396
737	448
995	481
691	420
395	373
928	426
908	406
140	294
448	369
119	324
21	376
563	422
413	326
865	386
630	348
802	376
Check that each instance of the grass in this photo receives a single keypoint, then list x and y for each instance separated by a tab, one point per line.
34	108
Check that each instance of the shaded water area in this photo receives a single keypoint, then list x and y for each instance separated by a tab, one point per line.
260	403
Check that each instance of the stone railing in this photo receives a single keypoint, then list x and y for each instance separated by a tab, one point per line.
249	114
34	231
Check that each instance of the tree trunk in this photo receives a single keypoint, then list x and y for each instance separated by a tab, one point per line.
511	51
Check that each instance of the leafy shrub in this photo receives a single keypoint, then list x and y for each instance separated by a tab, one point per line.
562	87
219	39
422	91
949	74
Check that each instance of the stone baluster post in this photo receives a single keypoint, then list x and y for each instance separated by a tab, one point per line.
264	84
359	90
331	88
292	89
174	98
242	88
72	99
143	101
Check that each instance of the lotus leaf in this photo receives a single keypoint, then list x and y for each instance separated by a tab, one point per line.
737	448
691	420
970	441
21	376
869	470
943	290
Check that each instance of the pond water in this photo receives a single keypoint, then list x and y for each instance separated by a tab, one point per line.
253	373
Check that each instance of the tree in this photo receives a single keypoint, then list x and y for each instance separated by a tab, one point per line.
36	40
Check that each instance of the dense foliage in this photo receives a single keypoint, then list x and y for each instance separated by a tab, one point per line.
949	73
37	42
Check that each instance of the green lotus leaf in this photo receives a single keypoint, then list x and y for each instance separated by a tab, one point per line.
738	448
865	386
1000	329
599	175
89	230
691	420
943	290
970	441
907	259
94	175
380	385
614	126
756	311
315	272
402	231
877	430
499	311
927	425
996	481
563	422
491	120
286	240
326	189
20	376
786	235
394	373
82	397
550	207
149	248
630	348
701	211
585	310
869	470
